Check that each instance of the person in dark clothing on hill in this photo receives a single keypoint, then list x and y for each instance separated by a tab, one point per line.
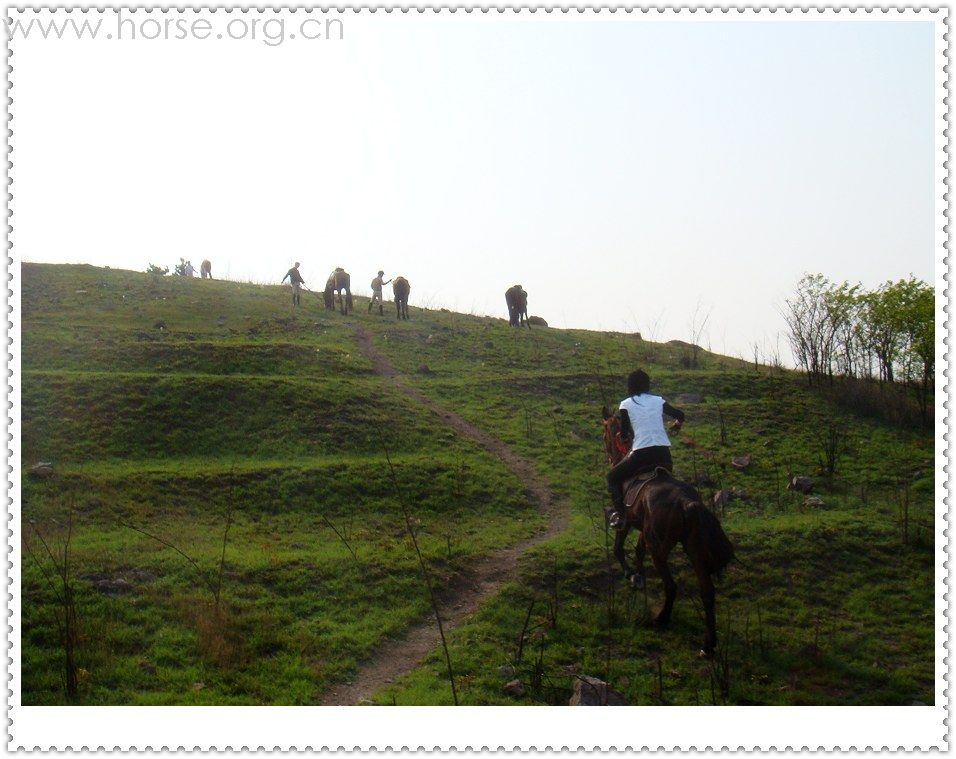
295	279
642	421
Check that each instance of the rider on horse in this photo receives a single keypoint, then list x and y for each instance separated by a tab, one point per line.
641	417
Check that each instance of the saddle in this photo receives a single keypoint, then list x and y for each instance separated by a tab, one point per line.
631	493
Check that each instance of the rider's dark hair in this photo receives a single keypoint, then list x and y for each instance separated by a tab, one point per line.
638	382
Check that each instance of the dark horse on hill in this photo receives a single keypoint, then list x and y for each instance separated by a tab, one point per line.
667	512
517	300
339	281
401	289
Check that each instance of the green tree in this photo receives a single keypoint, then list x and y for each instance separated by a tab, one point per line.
883	326
918	317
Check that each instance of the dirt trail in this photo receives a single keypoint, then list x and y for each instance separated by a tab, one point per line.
481	580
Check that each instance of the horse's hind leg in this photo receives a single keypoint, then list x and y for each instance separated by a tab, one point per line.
670	587
707	597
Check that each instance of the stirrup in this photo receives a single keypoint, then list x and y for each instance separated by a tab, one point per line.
617	521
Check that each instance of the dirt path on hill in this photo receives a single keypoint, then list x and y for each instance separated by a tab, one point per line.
481	580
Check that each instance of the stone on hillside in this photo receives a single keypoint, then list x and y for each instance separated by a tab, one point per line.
721	499
688	398
424	369
514	688
800	484
813	501
741	462
739	493
537	321
42	469
590	691
160	325
506	672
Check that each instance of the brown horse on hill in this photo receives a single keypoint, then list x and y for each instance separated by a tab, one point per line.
517	300
205	269
667	512
338	281
401	289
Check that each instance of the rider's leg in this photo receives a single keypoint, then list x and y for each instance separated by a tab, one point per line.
631	465
615	486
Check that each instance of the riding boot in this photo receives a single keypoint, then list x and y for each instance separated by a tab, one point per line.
381	311
370	304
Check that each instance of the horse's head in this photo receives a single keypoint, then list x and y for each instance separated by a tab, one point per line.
615	448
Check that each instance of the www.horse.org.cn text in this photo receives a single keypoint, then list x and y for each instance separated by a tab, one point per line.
140	27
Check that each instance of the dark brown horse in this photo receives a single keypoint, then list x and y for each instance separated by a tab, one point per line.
667	512
517	300
338	281
401	289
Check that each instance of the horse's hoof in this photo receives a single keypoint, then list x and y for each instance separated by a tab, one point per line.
705	654
637	581
660	622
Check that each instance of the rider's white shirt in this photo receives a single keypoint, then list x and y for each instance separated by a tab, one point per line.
646	413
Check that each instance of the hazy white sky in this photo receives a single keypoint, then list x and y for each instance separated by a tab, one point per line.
620	169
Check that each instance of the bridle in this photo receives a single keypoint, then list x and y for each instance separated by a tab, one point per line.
615	448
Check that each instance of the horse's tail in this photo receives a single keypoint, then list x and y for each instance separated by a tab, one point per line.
715	547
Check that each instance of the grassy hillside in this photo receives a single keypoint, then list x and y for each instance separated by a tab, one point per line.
180	407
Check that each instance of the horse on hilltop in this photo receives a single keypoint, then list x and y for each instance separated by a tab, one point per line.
517	300
205	269
401	289
667	512
338	282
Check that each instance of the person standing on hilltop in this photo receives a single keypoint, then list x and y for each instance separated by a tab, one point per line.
295	279
642	421
188	269
377	285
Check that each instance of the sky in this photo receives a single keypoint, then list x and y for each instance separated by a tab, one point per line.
627	171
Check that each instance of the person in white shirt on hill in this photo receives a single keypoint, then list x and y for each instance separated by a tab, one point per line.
642	421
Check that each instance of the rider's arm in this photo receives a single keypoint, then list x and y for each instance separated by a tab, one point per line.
283	279
627	432
674	413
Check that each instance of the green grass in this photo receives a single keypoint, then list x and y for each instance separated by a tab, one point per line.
167	404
